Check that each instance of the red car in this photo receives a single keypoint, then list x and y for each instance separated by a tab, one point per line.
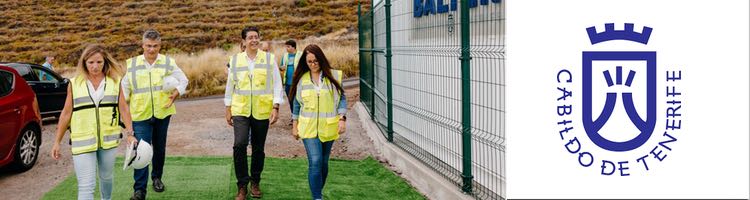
20	122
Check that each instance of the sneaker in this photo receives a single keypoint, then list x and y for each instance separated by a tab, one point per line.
158	185
138	195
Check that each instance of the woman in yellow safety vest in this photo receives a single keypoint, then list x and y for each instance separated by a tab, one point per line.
93	109
318	111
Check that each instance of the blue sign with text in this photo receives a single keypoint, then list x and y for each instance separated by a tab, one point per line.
428	7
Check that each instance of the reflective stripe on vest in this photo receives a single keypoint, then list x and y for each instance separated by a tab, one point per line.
252	95
94	126
318	114
147	98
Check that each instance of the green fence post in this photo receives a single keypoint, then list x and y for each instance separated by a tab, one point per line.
359	44
372	63
359	23
389	64
466	97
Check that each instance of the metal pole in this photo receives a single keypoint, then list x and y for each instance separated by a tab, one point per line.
372	63
466	97
361	58
389	69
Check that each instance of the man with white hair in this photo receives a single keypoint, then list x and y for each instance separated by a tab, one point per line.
47	64
152	82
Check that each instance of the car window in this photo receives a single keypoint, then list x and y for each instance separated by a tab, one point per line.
25	72
45	75
6	83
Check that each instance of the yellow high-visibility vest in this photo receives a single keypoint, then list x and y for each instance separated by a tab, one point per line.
318	117
252	94
92	127
285	60
147	99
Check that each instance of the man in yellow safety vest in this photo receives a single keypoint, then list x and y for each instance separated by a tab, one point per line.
289	62
151	84
252	97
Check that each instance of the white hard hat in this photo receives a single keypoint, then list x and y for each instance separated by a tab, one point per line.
169	83
138	156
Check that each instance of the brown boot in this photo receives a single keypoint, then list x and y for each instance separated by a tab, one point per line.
241	193
255	190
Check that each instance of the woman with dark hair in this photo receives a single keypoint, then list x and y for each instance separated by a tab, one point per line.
91	112
318	111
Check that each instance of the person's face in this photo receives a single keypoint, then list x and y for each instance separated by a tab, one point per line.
252	40
95	64
265	46
50	59
312	62
151	47
289	48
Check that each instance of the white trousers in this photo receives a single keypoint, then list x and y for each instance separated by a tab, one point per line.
86	166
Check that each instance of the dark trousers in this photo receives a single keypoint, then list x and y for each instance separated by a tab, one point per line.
244	128
153	131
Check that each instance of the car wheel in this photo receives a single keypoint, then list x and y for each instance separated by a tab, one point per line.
27	149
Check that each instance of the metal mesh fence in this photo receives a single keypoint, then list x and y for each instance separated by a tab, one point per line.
380	71
366	75
488	99
428	120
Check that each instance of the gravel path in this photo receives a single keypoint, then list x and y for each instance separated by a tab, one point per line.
198	128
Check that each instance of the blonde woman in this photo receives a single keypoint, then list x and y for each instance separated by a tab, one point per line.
93	110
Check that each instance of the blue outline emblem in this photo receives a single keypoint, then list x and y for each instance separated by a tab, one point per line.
593	126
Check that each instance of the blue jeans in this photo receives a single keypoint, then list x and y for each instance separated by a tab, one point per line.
153	131
86	166
317	164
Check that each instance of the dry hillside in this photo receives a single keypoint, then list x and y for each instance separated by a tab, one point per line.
31	29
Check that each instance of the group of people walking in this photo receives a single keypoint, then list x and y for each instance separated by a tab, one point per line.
106	103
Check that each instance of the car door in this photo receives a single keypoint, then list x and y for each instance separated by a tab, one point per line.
50	90
9	114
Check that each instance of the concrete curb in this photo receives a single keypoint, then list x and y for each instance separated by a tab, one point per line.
424	179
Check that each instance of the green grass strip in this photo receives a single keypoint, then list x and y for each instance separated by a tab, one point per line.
213	178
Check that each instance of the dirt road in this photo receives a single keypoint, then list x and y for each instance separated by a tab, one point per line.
198	128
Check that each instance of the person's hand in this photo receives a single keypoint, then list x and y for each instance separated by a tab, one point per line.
132	139
294	133
228	116
274	115
55	152
342	127
172	97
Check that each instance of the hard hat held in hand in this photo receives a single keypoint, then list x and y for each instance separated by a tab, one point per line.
138	156
169	83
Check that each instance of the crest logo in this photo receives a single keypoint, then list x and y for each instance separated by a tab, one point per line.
594	126
619	105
